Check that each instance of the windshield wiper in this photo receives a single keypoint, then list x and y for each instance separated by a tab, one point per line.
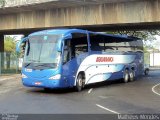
31	61
27	65
45	65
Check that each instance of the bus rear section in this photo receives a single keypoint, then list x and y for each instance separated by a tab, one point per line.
112	66
113	57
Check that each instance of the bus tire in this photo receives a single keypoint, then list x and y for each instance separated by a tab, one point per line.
131	76
126	76
79	83
146	72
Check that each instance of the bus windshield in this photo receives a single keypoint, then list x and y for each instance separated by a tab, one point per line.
41	52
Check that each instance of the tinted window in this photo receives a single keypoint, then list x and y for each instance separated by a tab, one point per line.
79	44
106	43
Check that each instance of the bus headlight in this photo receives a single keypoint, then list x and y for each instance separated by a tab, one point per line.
24	76
58	76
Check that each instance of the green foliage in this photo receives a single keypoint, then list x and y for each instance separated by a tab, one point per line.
144	35
147	36
146	57
2	3
9	44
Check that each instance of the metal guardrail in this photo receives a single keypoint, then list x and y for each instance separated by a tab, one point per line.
9	63
0	64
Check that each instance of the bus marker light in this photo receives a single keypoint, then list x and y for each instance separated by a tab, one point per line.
24	76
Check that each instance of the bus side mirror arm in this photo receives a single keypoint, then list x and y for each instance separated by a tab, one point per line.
59	47
18	45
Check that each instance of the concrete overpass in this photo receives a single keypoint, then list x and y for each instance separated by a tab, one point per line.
24	16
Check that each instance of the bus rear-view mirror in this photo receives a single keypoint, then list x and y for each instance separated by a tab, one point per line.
18	46
59	47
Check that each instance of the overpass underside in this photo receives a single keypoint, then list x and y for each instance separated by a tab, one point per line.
104	15
135	14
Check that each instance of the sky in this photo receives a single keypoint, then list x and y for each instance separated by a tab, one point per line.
17	37
157	42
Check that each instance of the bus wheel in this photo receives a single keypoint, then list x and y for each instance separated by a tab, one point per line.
126	76
79	83
131	76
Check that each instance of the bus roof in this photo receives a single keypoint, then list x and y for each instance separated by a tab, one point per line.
70	31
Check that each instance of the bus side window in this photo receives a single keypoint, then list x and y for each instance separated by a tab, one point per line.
67	51
79	49
79	44
97	42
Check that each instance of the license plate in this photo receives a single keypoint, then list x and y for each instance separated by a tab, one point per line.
38	83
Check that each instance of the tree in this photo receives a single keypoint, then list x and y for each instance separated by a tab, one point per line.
9	47
146	36
2	3
9	44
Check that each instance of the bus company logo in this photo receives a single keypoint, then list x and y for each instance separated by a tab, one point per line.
104	59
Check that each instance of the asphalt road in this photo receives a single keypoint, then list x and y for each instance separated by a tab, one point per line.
140	96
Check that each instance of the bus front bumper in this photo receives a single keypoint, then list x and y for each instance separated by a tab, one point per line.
44	83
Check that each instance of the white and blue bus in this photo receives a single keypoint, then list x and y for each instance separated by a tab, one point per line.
62	58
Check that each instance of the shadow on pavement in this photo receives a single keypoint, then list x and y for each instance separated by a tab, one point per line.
73	90
52	91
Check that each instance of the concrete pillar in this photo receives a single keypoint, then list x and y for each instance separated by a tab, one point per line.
1	43
1	52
